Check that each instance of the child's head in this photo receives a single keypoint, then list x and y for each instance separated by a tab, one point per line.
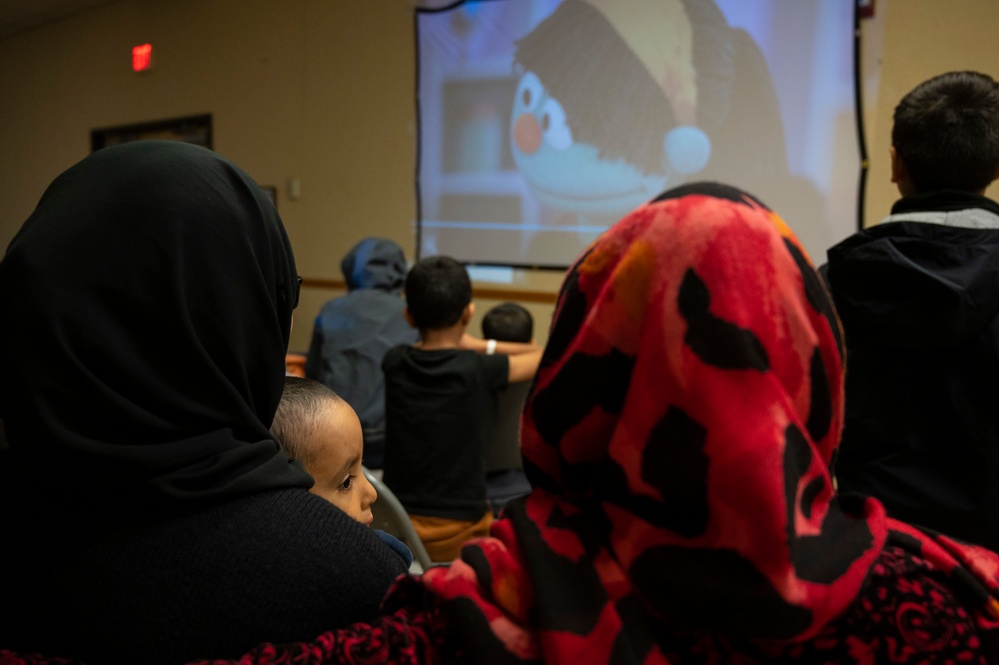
318	428
508	322
438	293
946	134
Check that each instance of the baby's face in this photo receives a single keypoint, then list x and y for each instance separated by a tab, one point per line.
338	444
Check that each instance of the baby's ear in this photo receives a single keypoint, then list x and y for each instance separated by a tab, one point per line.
408	317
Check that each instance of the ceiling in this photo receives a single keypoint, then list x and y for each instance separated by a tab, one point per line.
19	15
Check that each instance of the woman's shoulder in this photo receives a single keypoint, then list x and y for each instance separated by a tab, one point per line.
909	610
296	524
278	566
284	543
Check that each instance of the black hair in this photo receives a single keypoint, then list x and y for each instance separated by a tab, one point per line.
946	132
437	291
298	413
508	322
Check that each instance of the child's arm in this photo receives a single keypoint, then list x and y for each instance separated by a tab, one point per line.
523	366
479	345
524	356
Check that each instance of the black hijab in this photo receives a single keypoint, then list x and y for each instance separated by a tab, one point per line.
146	307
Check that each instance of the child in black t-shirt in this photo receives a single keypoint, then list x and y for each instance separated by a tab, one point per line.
440	406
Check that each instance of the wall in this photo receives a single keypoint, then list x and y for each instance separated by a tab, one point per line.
323	91
318	90
921	38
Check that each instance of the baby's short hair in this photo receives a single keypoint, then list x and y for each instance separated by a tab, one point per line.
298	413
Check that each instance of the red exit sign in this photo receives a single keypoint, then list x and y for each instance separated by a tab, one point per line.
142	57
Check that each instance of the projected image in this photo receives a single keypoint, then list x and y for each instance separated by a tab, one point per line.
545	121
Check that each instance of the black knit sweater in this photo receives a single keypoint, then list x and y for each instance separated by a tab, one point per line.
277	566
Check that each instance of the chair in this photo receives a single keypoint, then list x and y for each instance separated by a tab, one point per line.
391	517
294	364
505	479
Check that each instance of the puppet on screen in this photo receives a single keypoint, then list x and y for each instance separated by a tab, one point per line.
621	99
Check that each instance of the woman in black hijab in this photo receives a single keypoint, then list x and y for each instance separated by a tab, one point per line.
147	514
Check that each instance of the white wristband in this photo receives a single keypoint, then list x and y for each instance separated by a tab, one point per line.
490	347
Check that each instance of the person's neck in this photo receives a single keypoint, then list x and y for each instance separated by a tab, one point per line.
441	338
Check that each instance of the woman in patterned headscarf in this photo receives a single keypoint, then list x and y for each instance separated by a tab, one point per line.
679	436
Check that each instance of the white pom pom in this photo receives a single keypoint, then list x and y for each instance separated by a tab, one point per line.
687	148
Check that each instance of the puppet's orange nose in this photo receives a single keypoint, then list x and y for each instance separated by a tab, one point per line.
527	134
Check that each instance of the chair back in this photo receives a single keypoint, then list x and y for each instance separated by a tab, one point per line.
391	517
503	445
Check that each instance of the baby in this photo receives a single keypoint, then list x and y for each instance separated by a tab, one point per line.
318	428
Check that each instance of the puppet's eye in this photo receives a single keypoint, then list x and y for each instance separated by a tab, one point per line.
529	92
553	126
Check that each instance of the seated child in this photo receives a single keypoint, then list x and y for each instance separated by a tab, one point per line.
440	405
505	479
318	428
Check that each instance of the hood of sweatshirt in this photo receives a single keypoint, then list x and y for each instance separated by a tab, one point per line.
375	263
925	277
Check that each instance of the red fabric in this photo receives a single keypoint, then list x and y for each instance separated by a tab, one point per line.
410	632
690	347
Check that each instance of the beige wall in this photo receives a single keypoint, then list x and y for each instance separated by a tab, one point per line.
322	91
921	38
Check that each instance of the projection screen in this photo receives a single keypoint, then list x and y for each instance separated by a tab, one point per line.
541	122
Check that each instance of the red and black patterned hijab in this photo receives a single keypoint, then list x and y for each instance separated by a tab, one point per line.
679	435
